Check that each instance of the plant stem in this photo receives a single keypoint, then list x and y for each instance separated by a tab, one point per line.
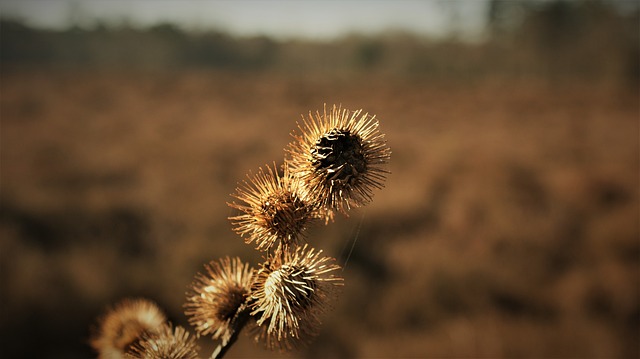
239	321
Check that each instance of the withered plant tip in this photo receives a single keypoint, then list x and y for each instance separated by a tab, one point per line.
167	343
123	326
274	212
339	157
290	293
334	163
216	296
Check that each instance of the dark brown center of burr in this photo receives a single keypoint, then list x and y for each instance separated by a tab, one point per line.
340	155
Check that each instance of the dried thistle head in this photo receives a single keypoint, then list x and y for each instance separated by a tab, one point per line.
290	293
215	297
274	211
167	343
339	156
124	325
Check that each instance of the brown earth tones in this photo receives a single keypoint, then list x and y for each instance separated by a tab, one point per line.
509	226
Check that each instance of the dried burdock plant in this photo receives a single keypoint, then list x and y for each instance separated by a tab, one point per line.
335	163
167	343
290	292
124	325
215	297
274	212
339	158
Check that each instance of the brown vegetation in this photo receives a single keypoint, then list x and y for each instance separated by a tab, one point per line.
509	224
508	227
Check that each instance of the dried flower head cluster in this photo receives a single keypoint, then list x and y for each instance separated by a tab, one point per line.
123	326
334	163
216	297
167	343
338	157
273	210
289	295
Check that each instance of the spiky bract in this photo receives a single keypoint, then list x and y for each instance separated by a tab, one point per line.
338	157
290	293
215	297
274	212
167	343
122	327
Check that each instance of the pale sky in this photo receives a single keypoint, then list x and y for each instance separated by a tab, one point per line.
316	19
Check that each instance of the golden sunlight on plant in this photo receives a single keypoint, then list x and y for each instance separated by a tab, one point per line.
334	164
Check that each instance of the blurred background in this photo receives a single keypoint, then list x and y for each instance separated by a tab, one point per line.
509	225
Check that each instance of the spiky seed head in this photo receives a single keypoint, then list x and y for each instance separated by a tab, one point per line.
290	293
216	296
167	343
273	210
124	325
339	157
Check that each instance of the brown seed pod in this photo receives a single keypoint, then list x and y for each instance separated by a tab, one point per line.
274	212
290	293
167	343
339	156
215	297
124	325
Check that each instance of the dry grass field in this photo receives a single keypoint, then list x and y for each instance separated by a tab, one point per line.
508	228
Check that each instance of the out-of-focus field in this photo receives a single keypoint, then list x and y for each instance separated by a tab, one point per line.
509	225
